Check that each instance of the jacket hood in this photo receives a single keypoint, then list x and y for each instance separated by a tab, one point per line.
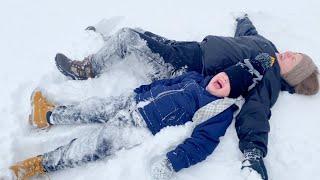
206	81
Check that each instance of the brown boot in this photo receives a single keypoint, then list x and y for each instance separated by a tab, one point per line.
40	107
77	70
27	168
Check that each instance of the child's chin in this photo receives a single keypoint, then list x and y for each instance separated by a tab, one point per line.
215	94
219	96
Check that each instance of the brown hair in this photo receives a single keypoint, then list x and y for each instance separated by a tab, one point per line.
310	85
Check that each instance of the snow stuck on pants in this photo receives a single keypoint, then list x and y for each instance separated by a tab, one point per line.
33	32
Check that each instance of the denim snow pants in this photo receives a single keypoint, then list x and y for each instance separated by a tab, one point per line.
123	128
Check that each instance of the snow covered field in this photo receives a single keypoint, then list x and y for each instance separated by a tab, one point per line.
33	31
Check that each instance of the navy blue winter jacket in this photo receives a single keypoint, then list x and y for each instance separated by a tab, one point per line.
219	52
173	102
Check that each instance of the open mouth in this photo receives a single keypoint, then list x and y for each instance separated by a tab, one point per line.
218	84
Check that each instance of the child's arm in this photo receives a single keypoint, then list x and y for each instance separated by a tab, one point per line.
245	27
189	75
262	62
257	67
202	142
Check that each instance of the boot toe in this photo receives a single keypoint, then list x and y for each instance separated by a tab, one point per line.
63	64
62	60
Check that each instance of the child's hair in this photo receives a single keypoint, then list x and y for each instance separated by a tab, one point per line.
303	77
310	85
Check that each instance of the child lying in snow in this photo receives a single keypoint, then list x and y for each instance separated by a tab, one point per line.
166	102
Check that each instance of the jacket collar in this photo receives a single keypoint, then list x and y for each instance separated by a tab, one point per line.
286	87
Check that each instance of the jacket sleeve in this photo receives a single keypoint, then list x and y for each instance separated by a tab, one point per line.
202	142
245	28
189	75
252	123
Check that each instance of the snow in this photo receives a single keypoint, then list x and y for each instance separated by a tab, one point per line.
32	32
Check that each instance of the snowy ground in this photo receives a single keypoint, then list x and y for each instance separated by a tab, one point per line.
33	31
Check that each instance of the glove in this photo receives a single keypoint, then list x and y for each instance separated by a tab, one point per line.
238	15
241	16
253	160
262	62
161	168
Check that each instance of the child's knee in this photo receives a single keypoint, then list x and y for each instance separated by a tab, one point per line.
126	31
104	148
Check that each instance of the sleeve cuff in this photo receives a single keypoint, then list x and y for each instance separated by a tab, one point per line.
174	161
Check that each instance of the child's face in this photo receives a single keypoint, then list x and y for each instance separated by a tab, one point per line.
219	85
288	60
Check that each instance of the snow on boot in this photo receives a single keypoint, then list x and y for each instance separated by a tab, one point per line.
41	109
77	70
27	168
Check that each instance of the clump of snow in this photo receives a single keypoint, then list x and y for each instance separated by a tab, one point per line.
34	31
249	174
6	174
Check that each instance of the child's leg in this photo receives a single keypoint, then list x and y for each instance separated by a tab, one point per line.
165	56
156	37
93	110
177	53
153	48
94	146
126	41
127	130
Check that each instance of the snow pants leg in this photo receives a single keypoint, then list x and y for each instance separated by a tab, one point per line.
94	110
150	46
123	128
95	145
178	53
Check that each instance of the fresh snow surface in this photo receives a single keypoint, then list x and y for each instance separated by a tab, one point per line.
33	31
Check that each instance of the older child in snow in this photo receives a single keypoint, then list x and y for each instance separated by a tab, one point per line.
167	102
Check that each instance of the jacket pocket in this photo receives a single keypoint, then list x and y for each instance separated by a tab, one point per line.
178	116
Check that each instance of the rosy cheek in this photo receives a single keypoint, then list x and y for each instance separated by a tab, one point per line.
292	58
222	92
210	88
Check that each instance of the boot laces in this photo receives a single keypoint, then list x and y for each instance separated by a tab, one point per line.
82	68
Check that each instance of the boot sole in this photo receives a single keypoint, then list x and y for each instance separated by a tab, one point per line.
31	116
65	72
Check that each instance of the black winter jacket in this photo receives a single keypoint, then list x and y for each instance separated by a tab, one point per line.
252	123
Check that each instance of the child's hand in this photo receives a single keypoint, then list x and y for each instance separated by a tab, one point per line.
239	15
161	168
262	62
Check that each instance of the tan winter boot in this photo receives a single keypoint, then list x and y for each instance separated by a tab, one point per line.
40	106
27	168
